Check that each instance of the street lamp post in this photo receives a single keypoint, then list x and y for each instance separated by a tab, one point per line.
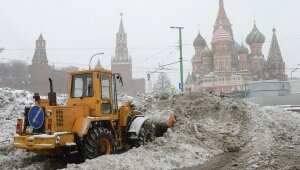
93	57
293	71
180	59
2	49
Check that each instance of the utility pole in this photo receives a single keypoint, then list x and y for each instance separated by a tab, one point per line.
180	59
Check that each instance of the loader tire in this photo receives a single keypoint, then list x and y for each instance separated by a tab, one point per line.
99	141
146	135
79	157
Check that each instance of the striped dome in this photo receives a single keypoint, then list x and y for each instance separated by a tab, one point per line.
199	41
255	36
221	35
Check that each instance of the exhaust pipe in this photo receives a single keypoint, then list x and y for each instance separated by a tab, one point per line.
51	95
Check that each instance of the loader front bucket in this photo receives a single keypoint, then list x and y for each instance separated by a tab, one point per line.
163	122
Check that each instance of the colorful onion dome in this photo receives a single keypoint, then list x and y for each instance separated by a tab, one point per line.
243	49
199	41
255	36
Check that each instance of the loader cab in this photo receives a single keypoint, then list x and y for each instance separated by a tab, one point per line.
95	90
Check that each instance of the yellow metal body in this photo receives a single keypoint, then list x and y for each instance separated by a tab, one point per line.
37	143
76	118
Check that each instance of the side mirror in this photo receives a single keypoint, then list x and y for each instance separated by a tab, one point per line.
121	80
119	77
36	97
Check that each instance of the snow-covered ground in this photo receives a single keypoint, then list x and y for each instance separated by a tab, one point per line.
207	126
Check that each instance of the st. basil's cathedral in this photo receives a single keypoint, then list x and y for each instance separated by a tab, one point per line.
227	67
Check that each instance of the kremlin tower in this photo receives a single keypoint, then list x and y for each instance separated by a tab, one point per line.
122	63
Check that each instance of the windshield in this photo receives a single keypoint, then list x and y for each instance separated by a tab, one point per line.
82	86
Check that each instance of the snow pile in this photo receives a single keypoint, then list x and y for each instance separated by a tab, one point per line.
207	125
61	99
12	103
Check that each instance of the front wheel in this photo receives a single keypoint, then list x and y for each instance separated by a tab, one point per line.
99	141
146	135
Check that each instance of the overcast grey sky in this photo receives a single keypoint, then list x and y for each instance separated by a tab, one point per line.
76	29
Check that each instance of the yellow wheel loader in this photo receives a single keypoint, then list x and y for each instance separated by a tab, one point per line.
90	125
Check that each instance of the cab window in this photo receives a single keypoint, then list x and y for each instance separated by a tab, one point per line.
105	87
105	94
82	86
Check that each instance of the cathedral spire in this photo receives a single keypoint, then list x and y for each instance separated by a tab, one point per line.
275	53
221	3
275	64
222	19
222	16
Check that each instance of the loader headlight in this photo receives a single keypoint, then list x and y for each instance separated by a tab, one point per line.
49	112
29	130
57	139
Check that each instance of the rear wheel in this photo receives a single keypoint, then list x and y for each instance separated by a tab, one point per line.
146	135
99	141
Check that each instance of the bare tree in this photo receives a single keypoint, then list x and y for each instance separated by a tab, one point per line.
18	69
162	84
12	74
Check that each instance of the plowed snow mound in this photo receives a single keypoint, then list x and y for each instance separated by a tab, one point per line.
207	125
12	104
